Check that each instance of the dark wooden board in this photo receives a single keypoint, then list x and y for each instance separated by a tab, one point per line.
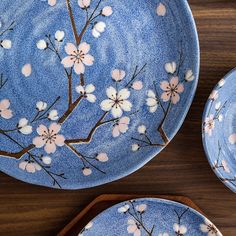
181	169
103	202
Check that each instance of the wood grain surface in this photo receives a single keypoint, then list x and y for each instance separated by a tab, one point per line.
180	169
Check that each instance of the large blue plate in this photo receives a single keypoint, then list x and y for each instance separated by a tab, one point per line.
91	91
219	130
151	217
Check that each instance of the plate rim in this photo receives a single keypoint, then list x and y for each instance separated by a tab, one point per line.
156	201
205	146
196	66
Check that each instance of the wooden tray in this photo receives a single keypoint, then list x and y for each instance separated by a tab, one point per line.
103	202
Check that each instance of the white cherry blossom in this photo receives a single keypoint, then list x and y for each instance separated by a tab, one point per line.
42	44
170	67
5	111
123	209
180	230
98	28
121	126
59	35
135	147
152	101
84	3
6	43
209	228
53	115
102	157
87	171
189	76
41	106
107	11
24	127
142	129
87	91
117	101
47	160
52	3
209	124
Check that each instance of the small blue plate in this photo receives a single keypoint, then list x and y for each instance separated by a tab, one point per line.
219	130
90	91
151	217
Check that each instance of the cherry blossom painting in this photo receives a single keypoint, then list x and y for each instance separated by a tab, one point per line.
90	91
219	131
150	217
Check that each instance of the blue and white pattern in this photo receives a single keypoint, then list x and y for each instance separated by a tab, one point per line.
219	130
150	217
90	91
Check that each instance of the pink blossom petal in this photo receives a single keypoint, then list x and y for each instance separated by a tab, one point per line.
175	98
115	131
60	140
106	105
6	114
39	142
50	147
54	128
79	68
124	120
166	96
165	85
23	165
88	60
68	62
126	105
116	112
30	168
4	104
131	228
174	81
137	85
84	47
232	138
179	88
137	232
42	129
70	49
123	128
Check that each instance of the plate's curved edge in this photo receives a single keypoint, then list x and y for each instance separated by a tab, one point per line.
206	109
157	201
196	67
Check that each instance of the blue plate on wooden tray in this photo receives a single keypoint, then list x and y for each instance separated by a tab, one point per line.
151	217
92	90
219	130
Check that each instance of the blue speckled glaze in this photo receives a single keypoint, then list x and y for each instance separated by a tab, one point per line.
150	41
219	140
151	217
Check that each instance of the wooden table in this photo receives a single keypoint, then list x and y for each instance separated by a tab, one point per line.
181	168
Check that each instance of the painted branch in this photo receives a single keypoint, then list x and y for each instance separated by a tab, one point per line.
91	133
72	19
160	127
17	155
70	110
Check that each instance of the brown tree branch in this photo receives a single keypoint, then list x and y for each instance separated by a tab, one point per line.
160	127
99	123
72	19
17	155
70	110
